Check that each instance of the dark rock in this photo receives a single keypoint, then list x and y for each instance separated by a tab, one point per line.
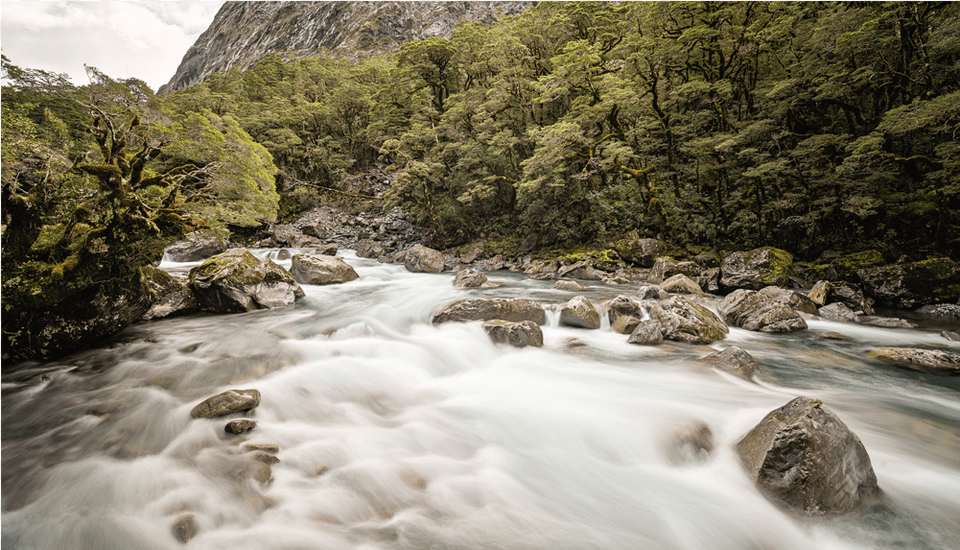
709	280
369	249
239	426
805	458
420	259
686	321
736	361
647	333
581	313
528	244
185	528
321	270
316	231
488	309
689	442
752	310
625	324
837	312
851	296
913	284
622	305
666	267
792	298
755	269
228	402
237	281
940	362
195	246
567	285
173	295
681	284
522	334
642	252
945	312
329	249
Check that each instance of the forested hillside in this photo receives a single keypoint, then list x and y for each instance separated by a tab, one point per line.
807	126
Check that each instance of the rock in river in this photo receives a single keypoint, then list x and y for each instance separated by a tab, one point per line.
488	309
311	269
228	402
752	310
684	320
522	334
237	281
580	312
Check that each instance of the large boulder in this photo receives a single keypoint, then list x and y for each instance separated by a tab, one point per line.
468	278
488	309
851	296
930	361
805	458
195	246
237	281
522	334
647	333
752	310
581	270
623	305
837	312
420	259
796	300
681	284
667	267
684	320
913	284
370	249
174	296
309	269
228	402
642	252
581	313
736	361
755	269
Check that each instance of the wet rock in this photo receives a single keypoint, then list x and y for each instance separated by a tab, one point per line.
581	313
468	278
615	280
913	284
795	300
185	528
567	285
369	249
540	267
930	361
174	296
689	442
228	402
946	312
736	361
488	309
952	336
264	457
837	312
267	448
709	280
237	281
647	333
752	310
681	284
642	252
239	426
258	470
420	259
684	320
884	322
666	267
651	292
622	305
308	269
755	269
521	334
329	249
625	324
805	458
581	270
195	246
846	293
835	336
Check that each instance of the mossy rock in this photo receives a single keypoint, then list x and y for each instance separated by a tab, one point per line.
913	284
237	281
755	269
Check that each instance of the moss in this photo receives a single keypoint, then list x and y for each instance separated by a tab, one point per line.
506	246
778	270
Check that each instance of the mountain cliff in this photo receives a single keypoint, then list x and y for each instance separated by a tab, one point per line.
243	33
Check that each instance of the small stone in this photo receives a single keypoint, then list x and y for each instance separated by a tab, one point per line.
567	285
273	449
185	528
239	426
835	336
228	402
736	361
320	469
521	334
264	457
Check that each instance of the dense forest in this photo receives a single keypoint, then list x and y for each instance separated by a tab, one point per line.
806	126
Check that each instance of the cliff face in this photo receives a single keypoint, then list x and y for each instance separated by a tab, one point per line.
243	33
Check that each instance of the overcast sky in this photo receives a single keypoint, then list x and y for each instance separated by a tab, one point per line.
145	39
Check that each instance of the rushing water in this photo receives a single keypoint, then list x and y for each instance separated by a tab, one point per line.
395	433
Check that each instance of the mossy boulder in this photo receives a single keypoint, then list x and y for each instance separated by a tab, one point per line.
913	284
805	458
684	320
488	309
755	269
641	252
846	267
173	294
237	281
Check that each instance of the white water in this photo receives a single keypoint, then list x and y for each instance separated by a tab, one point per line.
434	437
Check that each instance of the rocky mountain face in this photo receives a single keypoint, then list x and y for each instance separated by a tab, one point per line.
243	33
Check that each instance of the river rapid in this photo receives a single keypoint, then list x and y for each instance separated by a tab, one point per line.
394	433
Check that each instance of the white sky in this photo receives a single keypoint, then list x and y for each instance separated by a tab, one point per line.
142	39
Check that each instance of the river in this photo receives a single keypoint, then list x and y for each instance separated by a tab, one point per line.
394	433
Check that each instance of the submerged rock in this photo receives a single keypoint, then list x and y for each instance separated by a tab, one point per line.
930	361
752	310
185	528
488	309
884	322
736	361
805	458
521	334
239	426
686	321
321	270
237	281
689	442
581	313
228	402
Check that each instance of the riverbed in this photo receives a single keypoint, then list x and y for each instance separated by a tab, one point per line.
394	433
